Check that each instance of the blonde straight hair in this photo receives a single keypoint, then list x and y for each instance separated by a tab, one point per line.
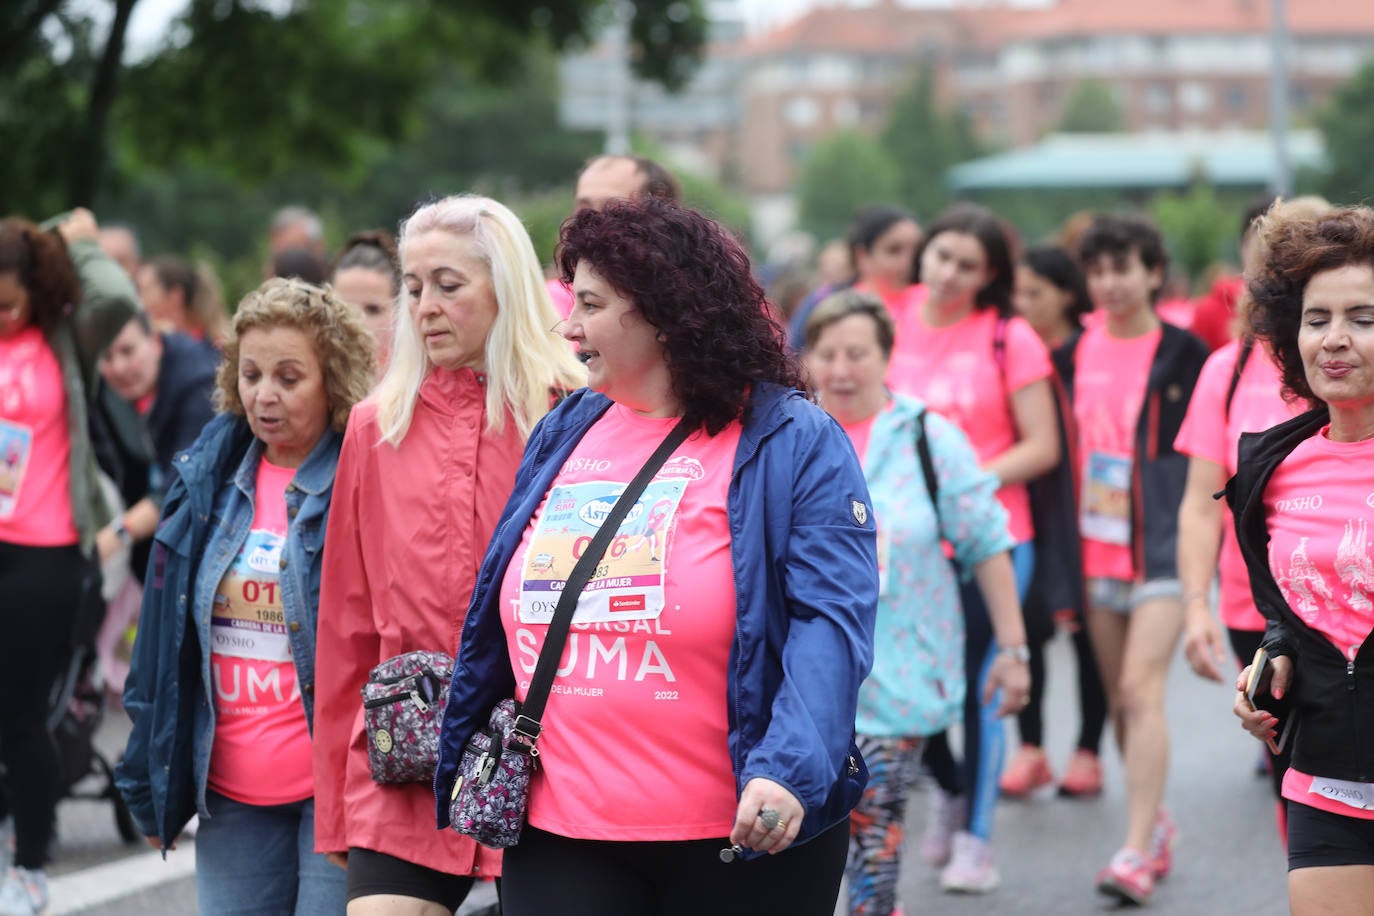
525	358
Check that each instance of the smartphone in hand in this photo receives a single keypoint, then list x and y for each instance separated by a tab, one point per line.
1258	697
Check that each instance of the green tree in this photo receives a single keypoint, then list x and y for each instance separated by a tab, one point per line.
1091	108
842	174
1199	227
256	91
1347	123
924	140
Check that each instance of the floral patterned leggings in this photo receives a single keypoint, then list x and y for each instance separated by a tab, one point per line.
876	828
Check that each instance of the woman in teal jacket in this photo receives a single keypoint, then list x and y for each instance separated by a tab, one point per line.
927	487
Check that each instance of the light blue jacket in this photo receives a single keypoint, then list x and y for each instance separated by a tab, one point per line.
806	585
205	521
917	684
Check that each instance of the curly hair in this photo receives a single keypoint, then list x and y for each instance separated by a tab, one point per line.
998	242
1296	247
342	344
40	261
691	280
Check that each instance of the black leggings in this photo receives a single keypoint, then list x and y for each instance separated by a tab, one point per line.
546	873
1244	643
41	588
1092	696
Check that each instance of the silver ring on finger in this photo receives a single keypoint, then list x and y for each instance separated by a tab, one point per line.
770	819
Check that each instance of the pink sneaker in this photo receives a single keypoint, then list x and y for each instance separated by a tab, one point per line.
1162	839
1027	772
1128	878
1083	775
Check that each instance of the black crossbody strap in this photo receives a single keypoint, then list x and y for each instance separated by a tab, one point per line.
928	465
527	725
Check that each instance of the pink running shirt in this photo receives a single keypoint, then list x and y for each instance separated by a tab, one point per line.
635	741
35	448
1208	433
562	296
261	752
1318	515
955	370
1110	379
861	432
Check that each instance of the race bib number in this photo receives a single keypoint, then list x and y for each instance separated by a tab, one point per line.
628	582
247	620
1106	512
16	445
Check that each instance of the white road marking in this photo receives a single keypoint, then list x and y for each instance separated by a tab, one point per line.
83	890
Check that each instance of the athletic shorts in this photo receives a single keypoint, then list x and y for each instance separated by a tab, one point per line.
372	873
1318	838
1121	596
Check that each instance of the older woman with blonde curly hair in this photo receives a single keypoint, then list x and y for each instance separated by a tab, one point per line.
221	688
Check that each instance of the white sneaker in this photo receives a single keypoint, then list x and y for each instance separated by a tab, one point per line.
944	817
970	869
24	893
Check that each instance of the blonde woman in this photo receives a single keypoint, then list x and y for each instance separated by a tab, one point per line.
428	462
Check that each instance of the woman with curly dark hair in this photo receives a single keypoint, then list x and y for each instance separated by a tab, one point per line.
716	657
1301	498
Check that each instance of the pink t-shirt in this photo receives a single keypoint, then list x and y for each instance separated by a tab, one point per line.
35	448
860	433
1318	516
955	370
562	296
1110	379
261	752
1208	433
635	741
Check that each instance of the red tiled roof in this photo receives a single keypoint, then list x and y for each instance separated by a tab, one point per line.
888	27
884	27
1165	17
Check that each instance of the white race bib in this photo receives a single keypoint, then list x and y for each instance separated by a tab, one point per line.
628	583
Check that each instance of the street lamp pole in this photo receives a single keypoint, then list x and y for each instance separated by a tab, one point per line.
1282	180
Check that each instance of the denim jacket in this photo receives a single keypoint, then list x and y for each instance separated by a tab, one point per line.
205	521
803	547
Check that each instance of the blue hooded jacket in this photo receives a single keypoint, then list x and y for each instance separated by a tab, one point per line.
804	552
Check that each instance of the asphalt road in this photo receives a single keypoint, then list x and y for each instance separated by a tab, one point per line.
1228	860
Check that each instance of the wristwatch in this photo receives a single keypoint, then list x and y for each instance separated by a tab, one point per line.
1021	653
122	533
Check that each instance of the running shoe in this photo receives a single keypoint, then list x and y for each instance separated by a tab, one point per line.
1128	878
1083	775
944	817
24	893
1027	772
970	869
1162	839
